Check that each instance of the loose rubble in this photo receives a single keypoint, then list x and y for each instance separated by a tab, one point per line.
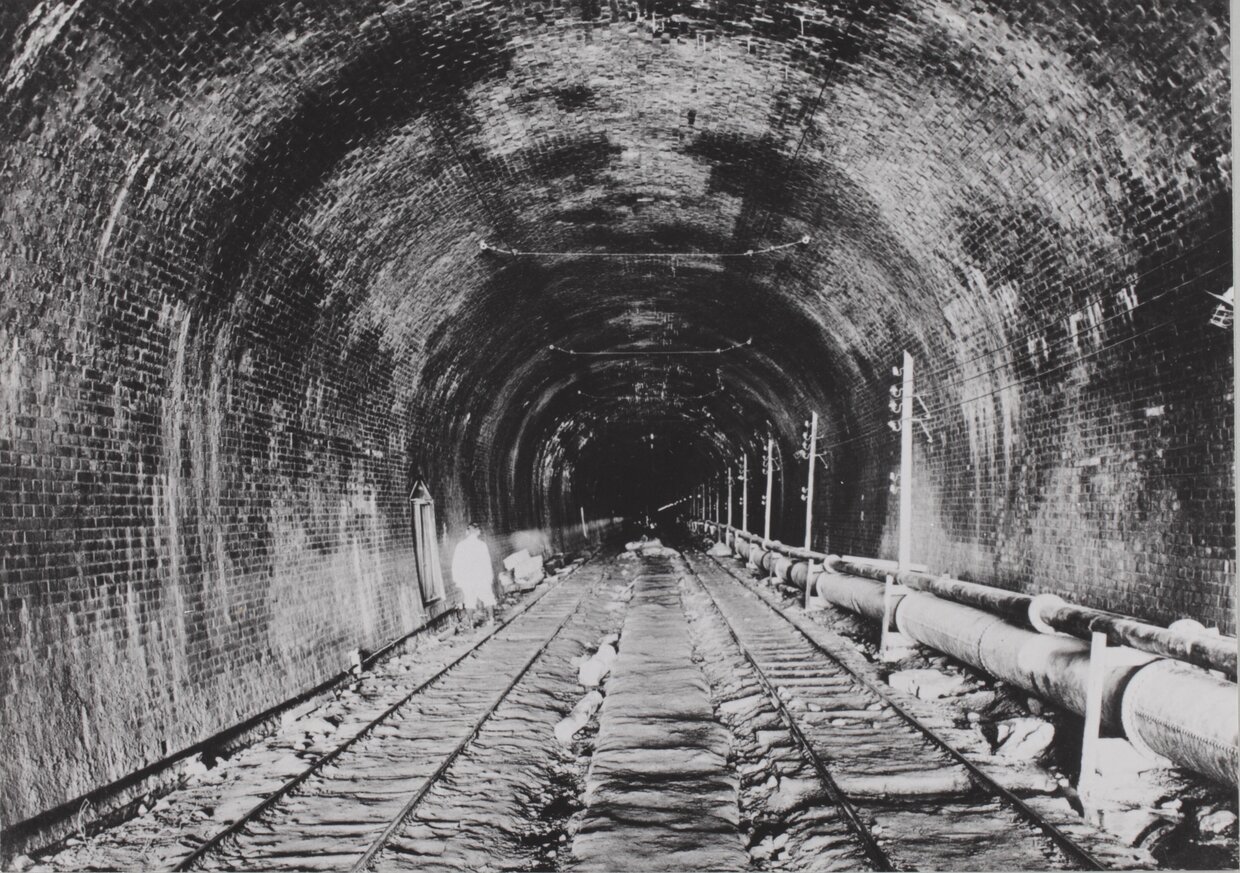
1042	756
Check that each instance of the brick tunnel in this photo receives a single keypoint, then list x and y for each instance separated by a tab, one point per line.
278	274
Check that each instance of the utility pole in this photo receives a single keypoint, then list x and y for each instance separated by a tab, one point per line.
745	495
729	497
905	552
719	513
890	641
809	486
770	479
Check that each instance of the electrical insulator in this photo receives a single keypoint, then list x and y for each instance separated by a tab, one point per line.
894	425
895	391
893	405
896	372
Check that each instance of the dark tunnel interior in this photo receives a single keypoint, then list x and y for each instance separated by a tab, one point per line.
267	265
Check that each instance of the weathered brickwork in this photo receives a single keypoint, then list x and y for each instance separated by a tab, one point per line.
246	305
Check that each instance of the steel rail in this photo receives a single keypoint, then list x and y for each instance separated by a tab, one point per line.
217	839
873	851
1062	841
377	845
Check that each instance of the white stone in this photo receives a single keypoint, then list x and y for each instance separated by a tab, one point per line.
793	792
1219	822
516	559
1133	826
591	672
567	728
290	716
195	767
927	684
763	850
767	739
1025	738
740	704
317	726
607	654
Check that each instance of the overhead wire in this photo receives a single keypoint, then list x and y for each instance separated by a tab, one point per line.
688	255
635	353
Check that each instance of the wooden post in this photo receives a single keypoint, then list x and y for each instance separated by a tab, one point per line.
585	532
884	644
1093	723
770	479
729	497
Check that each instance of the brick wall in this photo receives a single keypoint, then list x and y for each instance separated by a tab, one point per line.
245	306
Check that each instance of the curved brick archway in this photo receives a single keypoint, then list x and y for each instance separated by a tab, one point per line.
247	305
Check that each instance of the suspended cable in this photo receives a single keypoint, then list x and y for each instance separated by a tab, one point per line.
650	352
749	253
651	398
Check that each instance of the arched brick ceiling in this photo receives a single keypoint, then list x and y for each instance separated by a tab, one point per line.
313	183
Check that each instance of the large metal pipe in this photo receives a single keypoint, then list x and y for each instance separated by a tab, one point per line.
1184	715
856	595
1009	603
1170	709
1053	667
1050	613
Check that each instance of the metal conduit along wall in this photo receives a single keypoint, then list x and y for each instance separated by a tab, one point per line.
1164	707
1042	612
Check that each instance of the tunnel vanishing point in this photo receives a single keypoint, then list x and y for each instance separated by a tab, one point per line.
277	276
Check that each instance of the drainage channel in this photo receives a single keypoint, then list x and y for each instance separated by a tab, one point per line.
660	793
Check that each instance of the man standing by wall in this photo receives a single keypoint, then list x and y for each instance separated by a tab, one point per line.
472	573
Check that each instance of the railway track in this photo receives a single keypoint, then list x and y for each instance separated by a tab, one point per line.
910	800
341	811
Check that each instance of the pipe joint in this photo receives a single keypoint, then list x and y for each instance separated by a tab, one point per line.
1041	605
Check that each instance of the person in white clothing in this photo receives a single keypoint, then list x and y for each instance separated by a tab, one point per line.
472	572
